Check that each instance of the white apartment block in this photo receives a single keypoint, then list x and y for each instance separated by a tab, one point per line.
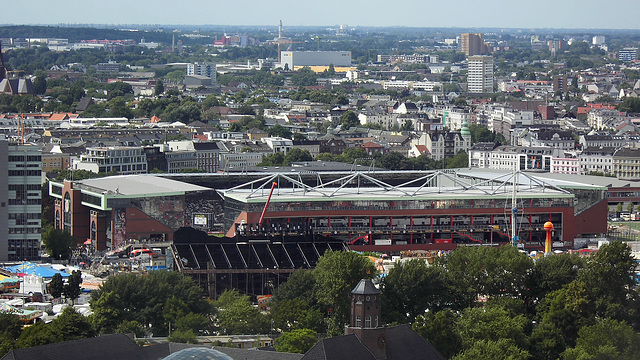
480	74
278	144
123	160
385	120
203	69
455	118
565	165
596	160
604	119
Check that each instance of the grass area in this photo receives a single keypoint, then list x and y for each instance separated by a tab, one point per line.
635	225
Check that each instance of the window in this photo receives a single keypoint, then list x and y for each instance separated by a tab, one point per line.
367	321
358	321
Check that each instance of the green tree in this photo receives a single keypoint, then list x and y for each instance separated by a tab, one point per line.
71	325
607	339
336	274
40	82
297	155
609	274
461	160
194	322
296	341
487	271
502	349
236	314
349	119
72	288
56	286
549	274
619	208
304	77
299	285
630	104
546	342
412	288
279	131
142	298
292	314
58	243
159	88
183	336
492	323
630	207
35	335
275	159
131	327
438	328
10	329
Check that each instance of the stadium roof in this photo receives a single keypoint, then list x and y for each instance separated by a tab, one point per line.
137	185
360	186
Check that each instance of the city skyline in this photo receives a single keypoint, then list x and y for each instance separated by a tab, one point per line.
487	14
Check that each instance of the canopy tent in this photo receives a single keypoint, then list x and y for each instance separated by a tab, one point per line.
29	268
24	314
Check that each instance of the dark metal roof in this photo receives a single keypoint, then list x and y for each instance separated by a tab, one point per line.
365	287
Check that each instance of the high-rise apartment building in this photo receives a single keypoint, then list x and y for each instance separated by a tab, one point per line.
20	201
472	44
480	74
203	69
560	83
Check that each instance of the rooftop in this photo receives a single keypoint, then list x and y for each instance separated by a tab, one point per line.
137	185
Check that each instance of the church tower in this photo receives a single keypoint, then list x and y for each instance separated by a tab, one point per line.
366	320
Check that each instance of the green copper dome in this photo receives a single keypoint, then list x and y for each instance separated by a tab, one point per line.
465	129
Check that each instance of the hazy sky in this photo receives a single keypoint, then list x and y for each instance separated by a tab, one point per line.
609	14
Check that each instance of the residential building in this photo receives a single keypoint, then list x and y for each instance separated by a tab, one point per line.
312	146
206	69
628	54
604	119
565	165
55	162
20	202
553	138
180	160
472	44
560	83
510	157
445	144
110	66
607	141
334	146
207	154
278	144
480	74
122	160
626	163
596	160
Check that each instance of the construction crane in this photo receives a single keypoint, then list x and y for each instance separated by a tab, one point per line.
283	41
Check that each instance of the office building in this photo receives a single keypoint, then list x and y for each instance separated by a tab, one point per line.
20	202
480	74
